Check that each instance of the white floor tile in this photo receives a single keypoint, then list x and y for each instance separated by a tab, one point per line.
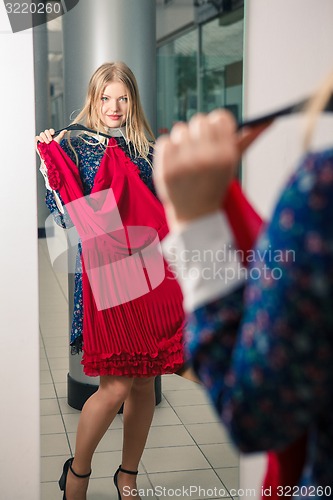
117	422
177	383
197	414
104	489
59	375
111	441
208	433
165	416
230	477
164	403
53	296
57	352
61	389
47	391
174	459
50	491
65	408
51	424
54	315
54	444
173	435
49	407
101	488
59	363
220	455
198	484
51	469
184	398
55	342
71	421
43	363
104	464
45	377
55	331
47	304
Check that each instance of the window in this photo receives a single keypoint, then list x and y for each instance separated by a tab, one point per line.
221	65
201	70
177	93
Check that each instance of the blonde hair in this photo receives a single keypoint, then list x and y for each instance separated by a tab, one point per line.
137	126
315	106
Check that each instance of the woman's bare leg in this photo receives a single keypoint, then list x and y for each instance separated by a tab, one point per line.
138	414
96	417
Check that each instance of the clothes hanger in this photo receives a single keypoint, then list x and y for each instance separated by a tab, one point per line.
79	126
287	110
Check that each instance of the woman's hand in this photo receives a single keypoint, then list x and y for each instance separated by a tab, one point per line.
195	164
47	137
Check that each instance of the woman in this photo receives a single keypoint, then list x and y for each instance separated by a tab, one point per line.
265	355
127	338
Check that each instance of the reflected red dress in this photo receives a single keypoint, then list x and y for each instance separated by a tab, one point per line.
133	316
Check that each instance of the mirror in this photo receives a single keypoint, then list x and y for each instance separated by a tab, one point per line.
187	449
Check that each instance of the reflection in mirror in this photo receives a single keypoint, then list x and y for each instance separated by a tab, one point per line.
187	446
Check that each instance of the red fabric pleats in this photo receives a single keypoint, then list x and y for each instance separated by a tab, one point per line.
132	304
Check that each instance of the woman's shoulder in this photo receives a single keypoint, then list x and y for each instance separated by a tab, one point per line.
309	191
319	156
82	145
314	160
77	141
314	170
84	150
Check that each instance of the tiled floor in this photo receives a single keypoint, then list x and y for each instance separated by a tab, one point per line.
187	447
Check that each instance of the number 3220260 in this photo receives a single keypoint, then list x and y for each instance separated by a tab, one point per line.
33	8
308	491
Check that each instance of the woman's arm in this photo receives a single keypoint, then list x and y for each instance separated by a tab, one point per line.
265	360
53	198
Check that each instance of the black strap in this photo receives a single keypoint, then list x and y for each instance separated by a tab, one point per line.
126	471
81	476
79	126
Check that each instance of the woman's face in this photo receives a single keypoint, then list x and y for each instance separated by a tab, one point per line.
114	105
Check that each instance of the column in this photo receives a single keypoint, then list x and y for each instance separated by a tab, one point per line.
110	30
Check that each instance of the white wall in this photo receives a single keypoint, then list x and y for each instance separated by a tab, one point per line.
288	51
19	348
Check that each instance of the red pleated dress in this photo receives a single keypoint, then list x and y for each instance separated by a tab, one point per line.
133	317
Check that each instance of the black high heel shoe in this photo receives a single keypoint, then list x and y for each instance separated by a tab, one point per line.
63	479
115	477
